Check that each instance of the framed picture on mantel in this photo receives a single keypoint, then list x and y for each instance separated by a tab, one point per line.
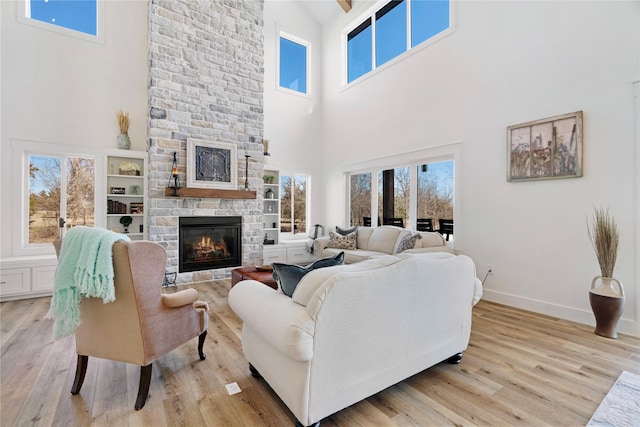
545	149
211	164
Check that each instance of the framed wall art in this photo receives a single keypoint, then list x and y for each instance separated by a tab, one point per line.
211	164
545	149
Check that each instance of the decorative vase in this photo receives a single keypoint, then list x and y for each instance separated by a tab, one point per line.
123	141
607	304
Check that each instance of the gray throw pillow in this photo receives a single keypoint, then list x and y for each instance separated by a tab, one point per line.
289	275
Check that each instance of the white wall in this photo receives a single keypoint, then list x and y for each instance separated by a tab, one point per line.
508	63
56	88
292	123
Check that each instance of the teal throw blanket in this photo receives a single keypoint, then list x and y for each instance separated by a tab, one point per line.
85	269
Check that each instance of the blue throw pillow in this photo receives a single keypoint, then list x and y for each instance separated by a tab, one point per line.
289	275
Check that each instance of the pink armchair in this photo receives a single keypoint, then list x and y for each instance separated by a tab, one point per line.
142	324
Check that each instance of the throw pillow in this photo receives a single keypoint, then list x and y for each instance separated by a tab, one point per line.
338	241
347	231
289	275
407	241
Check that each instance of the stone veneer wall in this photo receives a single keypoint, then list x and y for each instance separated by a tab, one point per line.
206	81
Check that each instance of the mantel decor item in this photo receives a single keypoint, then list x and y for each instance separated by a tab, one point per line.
607	300
124	143
545	149
211	164
265	143
246	172
174	178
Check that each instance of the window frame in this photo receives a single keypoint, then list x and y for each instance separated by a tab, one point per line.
22	150
287	236
370	14
21	16
295	39
412	160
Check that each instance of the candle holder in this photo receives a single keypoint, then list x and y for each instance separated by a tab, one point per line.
174	178
246	172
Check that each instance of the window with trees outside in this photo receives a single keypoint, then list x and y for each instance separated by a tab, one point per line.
391	30
434	195
59	187
293	204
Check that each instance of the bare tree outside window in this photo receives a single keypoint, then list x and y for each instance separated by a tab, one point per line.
435	191
293	201
46	201
360	197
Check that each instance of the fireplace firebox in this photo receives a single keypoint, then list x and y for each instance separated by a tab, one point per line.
209	242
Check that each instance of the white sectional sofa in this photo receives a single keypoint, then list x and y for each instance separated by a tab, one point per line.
383	240
350	331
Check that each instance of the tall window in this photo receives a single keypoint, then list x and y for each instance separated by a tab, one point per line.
435	191
391	30
76	15
360	195
293	201
394	196
59	187
294	62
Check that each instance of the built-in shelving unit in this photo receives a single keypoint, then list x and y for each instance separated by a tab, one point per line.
271	207
126	192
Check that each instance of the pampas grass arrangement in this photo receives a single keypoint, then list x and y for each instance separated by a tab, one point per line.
123	122
604	237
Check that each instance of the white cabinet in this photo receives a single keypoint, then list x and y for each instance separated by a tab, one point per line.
27	277
271	208
126	192
274	254
291	252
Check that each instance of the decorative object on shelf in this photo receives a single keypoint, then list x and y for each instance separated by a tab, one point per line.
174	179
607	301
268	241
211	164
268	179
129	168
265	142
126	222
134	190
246	172
117	190
545	149
269	194
124	143
136	208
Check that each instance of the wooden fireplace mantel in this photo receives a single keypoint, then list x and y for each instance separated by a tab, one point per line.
205	193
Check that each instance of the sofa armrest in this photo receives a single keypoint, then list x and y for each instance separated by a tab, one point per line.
319	245
430	249
282	323
178	299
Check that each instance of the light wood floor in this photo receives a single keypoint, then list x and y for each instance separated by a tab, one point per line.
520	369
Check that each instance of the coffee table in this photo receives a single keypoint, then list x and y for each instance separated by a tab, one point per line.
252	273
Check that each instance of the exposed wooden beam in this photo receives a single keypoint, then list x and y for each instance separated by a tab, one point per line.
345	4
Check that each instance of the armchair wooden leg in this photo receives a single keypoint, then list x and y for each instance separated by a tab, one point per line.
143	388
201	338
81	371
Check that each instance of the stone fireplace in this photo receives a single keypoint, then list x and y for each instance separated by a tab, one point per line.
206	81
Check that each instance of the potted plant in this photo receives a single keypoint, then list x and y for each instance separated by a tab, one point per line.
129	168
126	222
607	300
123	122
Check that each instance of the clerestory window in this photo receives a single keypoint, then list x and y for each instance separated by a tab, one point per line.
293	63
391	30
80	18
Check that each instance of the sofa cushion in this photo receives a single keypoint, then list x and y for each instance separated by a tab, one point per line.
362	239
310	283
288	275
384	238
406	240
347	231
340	241
352	255
429	239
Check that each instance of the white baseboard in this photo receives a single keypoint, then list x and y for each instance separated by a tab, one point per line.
625	326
